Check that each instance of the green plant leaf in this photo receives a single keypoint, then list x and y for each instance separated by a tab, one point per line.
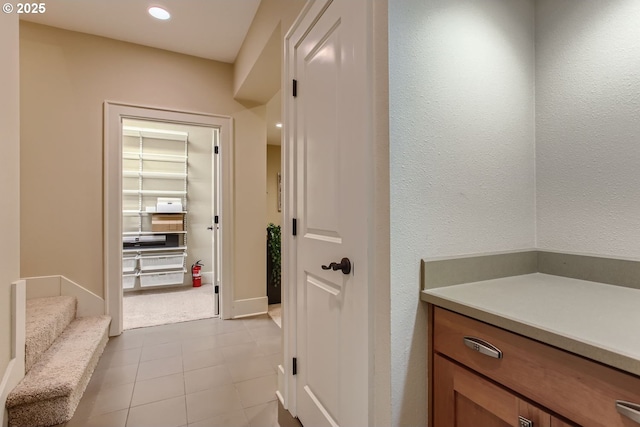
273	232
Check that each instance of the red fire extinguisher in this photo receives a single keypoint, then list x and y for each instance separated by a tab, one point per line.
196	276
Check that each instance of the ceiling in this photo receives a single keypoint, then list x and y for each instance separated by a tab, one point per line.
212	29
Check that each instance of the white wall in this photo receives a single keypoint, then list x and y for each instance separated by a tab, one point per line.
461	155
588	126
9	177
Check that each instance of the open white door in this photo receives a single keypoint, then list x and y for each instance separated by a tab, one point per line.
330	121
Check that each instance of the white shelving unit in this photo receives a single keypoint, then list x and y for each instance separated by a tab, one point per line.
154	165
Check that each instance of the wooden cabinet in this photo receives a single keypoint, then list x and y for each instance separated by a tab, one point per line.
486	376
463	398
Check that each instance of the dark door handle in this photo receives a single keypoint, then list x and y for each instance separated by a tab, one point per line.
210	227
344	265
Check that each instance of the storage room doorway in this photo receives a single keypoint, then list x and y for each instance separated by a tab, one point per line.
170	199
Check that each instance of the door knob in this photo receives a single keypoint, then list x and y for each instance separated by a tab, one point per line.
344	265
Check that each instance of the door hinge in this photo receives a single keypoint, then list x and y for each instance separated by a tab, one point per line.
217	289
216	219
216	149
294	227
295	366
295	88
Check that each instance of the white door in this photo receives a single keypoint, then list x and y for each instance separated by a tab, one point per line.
330	120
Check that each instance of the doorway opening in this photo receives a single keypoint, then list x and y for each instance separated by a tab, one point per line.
168	205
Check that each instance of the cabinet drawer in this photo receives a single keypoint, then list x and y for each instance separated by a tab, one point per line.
576	388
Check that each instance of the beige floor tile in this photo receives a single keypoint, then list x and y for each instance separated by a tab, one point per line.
233	326
159	368
156	389
233	338
165	413
125	341
263	415
257	321
161	351
231	419
202	359
195	345
248	369
206	378
111	419
119	358
271	330
257	391
242	352
211	403
270	344
161	337
117	375
107	400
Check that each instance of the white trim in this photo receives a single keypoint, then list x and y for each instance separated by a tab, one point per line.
250	307
287	387
15	369
281	379
89	304
112	144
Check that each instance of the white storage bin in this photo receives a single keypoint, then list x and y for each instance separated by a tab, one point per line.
162	262
129	264
161	279
128	281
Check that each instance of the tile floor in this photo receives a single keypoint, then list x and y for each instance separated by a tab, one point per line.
201	373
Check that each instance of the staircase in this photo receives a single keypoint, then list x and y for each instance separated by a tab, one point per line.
61	352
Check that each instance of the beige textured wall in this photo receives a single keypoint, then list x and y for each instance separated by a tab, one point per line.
269	14
65	78
273	168
252	149
9	173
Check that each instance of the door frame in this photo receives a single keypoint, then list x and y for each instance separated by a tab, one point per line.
114	113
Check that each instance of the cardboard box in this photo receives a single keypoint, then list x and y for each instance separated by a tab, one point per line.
167	222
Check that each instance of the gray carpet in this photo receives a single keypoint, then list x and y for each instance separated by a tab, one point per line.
160	307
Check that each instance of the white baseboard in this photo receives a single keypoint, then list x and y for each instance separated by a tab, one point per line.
89	304
280	390
250	307
15	369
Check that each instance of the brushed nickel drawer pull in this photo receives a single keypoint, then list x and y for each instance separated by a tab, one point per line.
629	410
525	422
483	347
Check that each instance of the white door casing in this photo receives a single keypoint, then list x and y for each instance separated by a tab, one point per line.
112	219
329	131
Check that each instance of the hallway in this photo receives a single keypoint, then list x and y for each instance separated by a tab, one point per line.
201	373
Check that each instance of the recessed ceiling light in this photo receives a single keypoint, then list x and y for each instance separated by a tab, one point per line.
278	125
159	13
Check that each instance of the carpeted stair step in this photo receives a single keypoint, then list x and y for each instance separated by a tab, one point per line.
50	392
46	318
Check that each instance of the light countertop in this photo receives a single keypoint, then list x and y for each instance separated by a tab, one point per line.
594	320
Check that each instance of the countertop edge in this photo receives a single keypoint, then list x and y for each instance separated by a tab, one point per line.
598	354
